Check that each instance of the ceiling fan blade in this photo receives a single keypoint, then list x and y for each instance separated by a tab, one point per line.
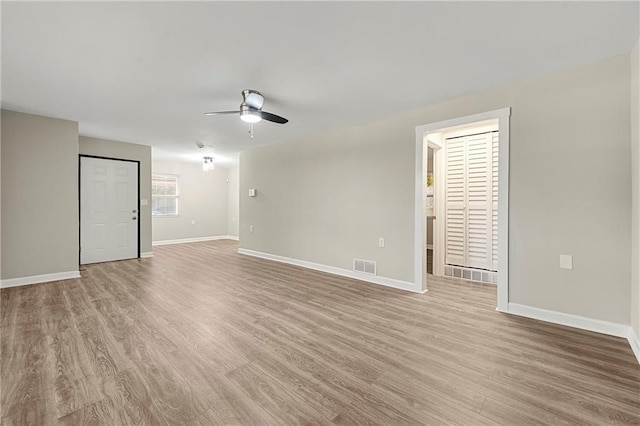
221	112
272	117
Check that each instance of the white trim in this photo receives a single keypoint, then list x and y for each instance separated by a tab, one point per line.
146	254
634	342
420	239
36	279
460	121
503	209
576	321
503	195
439	211
389	282
194	240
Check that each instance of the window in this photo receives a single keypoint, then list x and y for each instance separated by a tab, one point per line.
164	195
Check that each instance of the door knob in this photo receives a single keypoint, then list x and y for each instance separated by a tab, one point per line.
134	218
134	211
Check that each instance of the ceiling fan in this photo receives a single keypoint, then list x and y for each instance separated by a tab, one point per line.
251	109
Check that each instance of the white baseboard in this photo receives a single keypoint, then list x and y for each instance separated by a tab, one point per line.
389	282
194	240
634	341
577	321
146	254
35	279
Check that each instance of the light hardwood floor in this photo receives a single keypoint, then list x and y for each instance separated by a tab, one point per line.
202	335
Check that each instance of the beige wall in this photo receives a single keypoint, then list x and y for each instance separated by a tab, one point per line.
327	198
203	199
233	202
0	196
635	190
39	195
127	151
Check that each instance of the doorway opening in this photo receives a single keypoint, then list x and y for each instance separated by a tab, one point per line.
462	167
429	205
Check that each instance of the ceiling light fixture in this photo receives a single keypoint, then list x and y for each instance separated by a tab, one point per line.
208	164
250	115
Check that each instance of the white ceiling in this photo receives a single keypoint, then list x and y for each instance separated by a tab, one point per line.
146	72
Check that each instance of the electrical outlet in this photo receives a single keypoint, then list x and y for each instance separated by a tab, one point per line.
193	221
380	242
250	228
233	219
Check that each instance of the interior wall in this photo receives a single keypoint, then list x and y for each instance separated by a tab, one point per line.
202	206
39	195
327	198
233	206
635	190
126	151
0	165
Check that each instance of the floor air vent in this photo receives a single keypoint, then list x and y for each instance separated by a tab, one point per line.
482	276
366	266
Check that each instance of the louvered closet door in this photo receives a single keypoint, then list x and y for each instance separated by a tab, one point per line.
494	200
471	234
455	235
479	202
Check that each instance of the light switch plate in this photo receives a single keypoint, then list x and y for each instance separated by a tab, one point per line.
144	202
566	261
252	193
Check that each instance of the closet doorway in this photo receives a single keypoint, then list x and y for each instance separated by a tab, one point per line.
429	210
462	226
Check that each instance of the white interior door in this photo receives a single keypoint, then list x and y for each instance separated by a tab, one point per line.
108	210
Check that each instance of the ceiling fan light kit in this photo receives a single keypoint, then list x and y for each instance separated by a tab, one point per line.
249	115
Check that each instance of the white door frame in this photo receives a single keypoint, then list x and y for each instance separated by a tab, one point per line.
420	245
438	204
80	200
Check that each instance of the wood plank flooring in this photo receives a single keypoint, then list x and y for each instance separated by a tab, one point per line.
202	335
